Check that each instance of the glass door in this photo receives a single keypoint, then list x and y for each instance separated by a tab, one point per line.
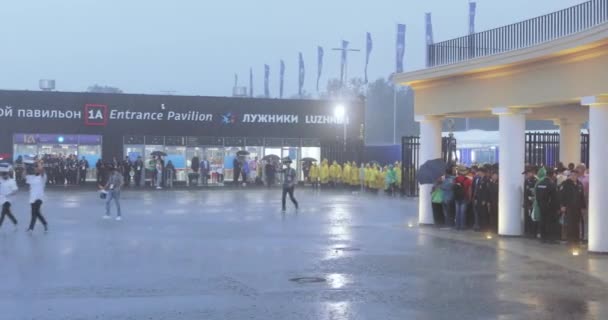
177	156
91	154
134	151
24	150
215	156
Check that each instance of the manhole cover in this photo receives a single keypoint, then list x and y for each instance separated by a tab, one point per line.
347	249
307	280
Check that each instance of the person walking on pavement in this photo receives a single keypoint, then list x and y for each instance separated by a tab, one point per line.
36	178
572	196
8	187
546	206
112	189
289	183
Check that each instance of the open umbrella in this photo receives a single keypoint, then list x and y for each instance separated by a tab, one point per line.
271	157
309	160
242	153
431	170
158	153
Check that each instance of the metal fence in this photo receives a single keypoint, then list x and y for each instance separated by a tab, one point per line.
519	35
542	148
410	161
339	151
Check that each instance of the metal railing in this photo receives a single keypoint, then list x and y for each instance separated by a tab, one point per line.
519	35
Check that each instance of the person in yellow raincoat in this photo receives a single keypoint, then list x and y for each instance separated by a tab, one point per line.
398	174
354	176
335	173
346	175
369	176
324	173
380	178
314	175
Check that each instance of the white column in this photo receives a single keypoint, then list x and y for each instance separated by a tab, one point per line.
430	148
569	141
512	127
598	166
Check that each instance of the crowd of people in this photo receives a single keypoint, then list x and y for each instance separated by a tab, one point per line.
61	169
371	177
554	205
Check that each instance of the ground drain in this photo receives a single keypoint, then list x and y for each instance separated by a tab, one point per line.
308	280
347	249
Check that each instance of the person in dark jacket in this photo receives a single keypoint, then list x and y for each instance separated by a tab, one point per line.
493	204
448	198
481	199
99	171
83	166
138	167
572	196
126	171
236	170
547	199
530	226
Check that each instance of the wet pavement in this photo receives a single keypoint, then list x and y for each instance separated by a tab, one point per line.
232	254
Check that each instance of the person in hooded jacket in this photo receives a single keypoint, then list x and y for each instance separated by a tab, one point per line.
448	198
314	175
324	173
346	175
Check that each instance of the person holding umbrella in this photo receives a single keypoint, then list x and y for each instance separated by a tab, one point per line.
8	187
289	183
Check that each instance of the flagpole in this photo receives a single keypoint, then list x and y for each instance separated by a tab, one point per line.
394	114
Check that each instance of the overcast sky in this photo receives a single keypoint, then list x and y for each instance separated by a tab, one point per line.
195	47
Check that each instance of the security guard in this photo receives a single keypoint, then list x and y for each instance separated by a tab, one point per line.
572	196
530	226
547	201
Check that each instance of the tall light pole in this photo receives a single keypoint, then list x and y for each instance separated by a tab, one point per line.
344	62
340	114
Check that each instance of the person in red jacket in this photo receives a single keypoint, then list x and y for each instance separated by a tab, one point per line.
462	197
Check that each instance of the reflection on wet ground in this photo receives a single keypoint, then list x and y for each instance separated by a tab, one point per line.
231	254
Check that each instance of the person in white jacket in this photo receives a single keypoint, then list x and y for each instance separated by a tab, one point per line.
37	182
8	187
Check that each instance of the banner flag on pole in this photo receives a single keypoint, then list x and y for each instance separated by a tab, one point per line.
400	52
251	82
472	11
266	80
368	51
429	29
301	74
282	79
343	62
320	54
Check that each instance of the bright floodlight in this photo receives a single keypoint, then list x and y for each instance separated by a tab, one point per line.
339	112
